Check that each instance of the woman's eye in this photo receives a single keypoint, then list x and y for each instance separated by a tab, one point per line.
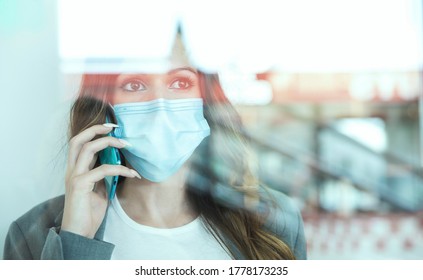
133	86
181	84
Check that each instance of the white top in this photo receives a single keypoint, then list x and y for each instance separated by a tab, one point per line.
134	241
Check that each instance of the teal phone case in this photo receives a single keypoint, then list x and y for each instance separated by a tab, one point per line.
110	155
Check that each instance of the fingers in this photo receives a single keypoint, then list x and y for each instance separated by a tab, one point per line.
111	170
78	141
85	182
90	149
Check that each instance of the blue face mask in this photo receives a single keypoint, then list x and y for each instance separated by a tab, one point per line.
163	133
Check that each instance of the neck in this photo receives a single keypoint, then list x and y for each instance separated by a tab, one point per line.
162	205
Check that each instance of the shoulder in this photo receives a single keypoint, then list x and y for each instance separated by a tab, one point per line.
283	216
46	214
27	234
284	219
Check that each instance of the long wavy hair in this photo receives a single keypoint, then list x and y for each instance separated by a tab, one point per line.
221	183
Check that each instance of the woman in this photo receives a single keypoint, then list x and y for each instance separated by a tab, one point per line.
186	186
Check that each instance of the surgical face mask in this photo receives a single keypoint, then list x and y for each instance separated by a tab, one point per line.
163	133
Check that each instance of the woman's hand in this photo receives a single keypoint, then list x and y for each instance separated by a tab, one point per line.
85	206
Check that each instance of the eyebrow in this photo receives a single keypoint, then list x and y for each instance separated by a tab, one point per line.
170	72
182	69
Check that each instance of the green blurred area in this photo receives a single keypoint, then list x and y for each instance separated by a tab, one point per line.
18	16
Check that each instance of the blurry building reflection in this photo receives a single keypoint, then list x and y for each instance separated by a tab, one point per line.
346	147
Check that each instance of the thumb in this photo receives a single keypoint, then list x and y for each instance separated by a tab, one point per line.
100	189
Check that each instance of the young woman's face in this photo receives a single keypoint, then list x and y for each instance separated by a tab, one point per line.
179	82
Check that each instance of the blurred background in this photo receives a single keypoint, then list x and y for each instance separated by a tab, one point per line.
330	93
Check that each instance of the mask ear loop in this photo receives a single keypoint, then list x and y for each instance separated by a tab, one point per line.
111	118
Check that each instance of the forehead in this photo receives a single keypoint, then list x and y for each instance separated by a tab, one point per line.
177	61
179	56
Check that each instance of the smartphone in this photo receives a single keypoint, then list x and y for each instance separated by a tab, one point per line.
110	155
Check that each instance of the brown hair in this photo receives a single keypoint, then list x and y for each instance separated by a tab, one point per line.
221	164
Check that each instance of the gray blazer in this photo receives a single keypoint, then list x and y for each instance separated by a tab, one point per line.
37	234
